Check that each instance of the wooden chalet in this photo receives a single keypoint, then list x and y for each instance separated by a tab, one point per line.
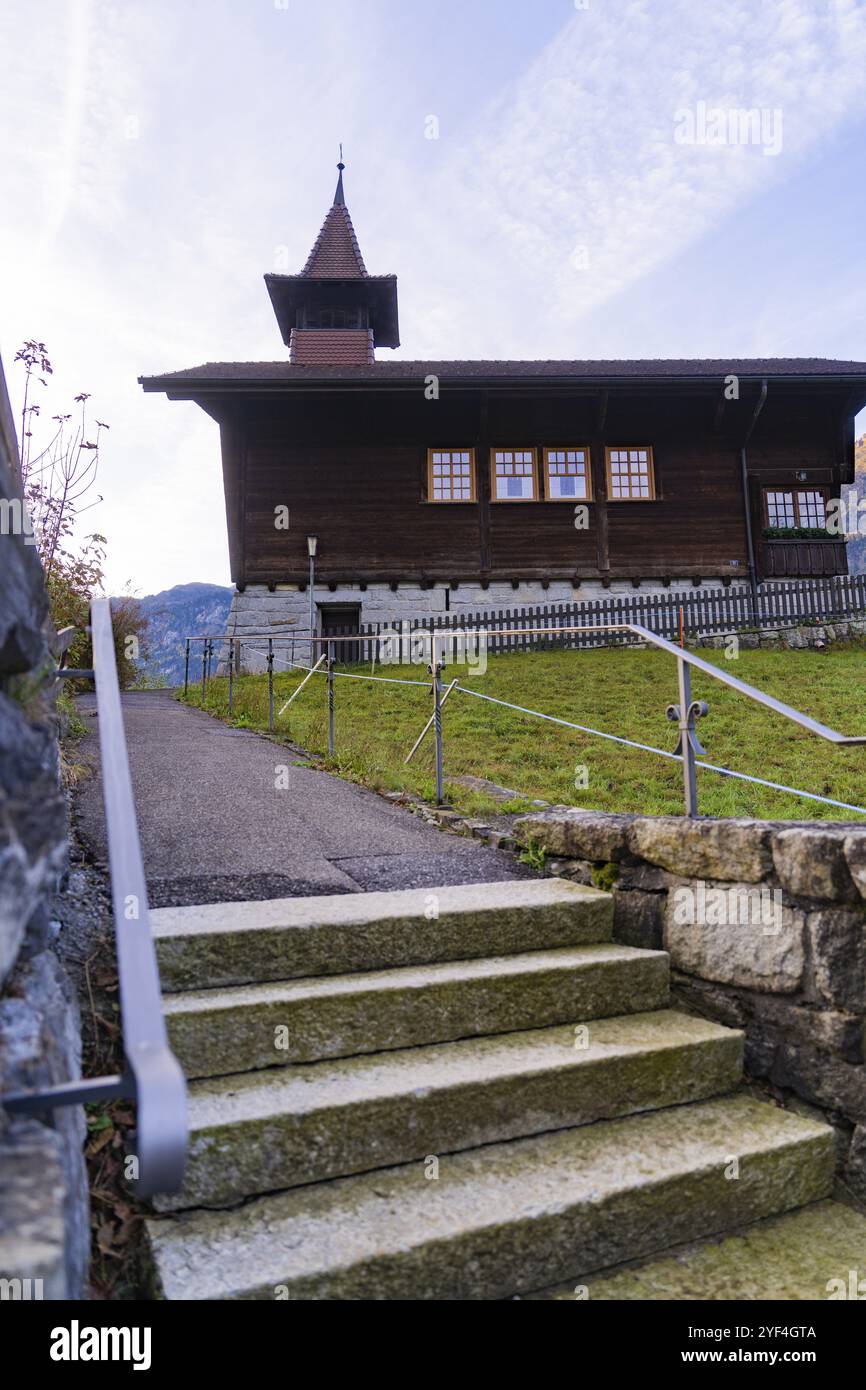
446	485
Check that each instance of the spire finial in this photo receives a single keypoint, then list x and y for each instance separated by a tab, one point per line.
339	198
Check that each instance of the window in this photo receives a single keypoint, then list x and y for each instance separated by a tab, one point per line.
630	476
780	509
451	475
332	318
513	475
811	508
567	475
803	507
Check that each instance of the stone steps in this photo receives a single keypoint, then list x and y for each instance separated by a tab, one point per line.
506	1218
263	1131
463	1093
250	942
219	1031
803	1256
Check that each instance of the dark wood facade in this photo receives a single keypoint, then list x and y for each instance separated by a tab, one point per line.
343	441
349	458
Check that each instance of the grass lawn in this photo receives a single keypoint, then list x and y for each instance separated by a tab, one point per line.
618	691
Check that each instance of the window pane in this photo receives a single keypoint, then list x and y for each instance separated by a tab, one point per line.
780	509
811	508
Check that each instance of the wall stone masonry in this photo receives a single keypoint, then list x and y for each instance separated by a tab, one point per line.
814	634
288	606
44	1217
765	923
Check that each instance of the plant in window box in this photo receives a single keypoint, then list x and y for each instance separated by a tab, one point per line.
798	533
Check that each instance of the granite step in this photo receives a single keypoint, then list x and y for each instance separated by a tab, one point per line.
265	1131
218	1032
816	1253
249	942
507	1218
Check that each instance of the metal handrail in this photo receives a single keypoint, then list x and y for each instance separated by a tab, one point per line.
688	711
153	1076
685	714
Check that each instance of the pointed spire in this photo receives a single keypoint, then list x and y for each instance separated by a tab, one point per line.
339	196
336	253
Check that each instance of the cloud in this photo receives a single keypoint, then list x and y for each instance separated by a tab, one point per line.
574	188
155	156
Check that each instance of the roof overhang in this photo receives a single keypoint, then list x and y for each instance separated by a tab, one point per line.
376	293
382	378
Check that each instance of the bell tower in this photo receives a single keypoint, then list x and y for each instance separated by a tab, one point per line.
335	313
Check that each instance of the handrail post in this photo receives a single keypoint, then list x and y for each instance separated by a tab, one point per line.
231	678
271	684
203	669
330	700
436	673
186	671
690	783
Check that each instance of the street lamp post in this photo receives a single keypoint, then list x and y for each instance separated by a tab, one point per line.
312	542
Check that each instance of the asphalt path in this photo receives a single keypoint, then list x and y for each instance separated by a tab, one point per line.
215	825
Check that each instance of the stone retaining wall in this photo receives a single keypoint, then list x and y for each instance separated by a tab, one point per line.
44	1220
765	924
817	635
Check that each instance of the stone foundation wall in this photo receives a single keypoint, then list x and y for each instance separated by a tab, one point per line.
287	611
259	610
765	924
44	1220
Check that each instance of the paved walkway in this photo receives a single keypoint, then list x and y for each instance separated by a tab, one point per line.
215	828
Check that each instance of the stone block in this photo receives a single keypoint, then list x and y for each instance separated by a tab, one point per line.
748	955
782	1020
837	938
647	878
32	1191
41	1046
810	863
731	850
854	1172
573	833
638	919
854	849
825	1080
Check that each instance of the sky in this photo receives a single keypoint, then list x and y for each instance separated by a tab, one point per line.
558	178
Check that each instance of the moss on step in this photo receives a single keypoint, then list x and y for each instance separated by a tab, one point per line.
803	1255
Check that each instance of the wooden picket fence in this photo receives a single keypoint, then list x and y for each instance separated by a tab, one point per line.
703	611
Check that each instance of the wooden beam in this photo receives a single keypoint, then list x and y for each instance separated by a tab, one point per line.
599	486
482	483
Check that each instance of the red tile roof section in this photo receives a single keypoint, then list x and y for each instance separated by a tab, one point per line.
331	347
336	254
